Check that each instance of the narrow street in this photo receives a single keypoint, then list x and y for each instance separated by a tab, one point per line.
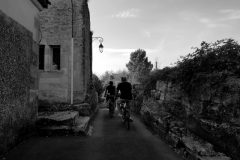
110	140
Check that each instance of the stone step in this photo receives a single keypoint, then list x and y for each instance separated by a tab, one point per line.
82	124
62	123
84	109
80	128
75	121
55	131
67	118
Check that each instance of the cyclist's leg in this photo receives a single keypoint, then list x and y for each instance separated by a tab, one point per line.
128	103
112	105
118	101
123	102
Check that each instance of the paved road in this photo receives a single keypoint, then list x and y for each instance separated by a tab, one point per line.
110	141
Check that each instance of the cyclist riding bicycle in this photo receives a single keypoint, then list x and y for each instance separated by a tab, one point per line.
125	89
110	94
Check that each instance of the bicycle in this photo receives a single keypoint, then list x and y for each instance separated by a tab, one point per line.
111	103
125	110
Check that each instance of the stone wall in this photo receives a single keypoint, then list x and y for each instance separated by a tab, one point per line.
58	24
18	62
23	12
214	101
210	110
82	50
174	132
55	26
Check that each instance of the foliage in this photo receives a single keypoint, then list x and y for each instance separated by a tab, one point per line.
105	78
219	59
139	66
114	76
97	84
165	74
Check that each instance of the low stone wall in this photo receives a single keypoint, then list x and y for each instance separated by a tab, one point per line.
217	101
184	136
210	111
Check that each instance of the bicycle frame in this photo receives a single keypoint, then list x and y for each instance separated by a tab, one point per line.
125	113
111	103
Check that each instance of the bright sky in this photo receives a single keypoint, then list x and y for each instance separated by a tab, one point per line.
166	29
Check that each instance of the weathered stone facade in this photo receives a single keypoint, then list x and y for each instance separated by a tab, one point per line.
211	110
218	102
18	73
58	24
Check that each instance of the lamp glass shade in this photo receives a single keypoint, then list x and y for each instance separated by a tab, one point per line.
101	48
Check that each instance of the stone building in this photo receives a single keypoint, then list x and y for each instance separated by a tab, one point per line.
65	52
19	38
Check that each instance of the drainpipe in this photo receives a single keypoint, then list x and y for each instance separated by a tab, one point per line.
72	70
72	58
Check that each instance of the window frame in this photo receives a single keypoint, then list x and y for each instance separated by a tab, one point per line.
55	62
41	58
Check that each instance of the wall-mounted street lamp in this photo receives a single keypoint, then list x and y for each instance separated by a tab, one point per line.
100	39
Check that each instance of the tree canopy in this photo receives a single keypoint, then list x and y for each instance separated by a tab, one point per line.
113	76
97	84
139	66
212	60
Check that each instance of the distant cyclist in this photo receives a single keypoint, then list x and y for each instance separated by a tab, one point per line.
110	94
125	89
110	91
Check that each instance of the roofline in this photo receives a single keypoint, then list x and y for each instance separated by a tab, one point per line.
37	4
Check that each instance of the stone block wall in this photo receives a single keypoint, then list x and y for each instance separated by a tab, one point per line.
211	110
18	106
218	102
57	24
82	51
87	43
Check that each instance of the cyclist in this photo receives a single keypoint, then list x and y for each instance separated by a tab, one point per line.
110	94
125	89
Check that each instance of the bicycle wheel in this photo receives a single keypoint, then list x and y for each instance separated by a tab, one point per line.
128	124
128	120
111	109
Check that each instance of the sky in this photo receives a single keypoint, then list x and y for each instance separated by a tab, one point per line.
165	29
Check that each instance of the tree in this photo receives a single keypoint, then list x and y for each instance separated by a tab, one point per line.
139	66
105	78
113	76
97	84
211	61
119	74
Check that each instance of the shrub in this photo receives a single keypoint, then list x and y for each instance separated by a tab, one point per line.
221	59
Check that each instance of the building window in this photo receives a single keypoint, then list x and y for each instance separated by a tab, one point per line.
55	49
44	3
41	57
